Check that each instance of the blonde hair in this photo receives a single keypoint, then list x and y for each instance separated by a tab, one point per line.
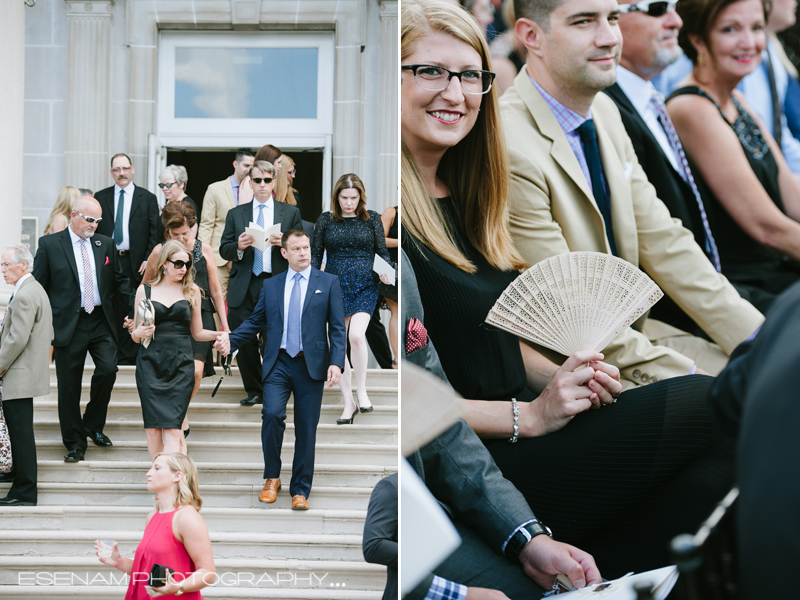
168	250
67	196
187	493
283	191
475	170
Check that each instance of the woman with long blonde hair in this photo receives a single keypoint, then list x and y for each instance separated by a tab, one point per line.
165	362
62	209
175	535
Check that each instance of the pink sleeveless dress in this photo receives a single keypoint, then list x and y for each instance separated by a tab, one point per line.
159	546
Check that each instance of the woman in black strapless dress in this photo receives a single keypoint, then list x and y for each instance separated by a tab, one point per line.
165	365
179	222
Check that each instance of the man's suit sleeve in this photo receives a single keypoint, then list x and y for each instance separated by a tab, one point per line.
379	542
337	332
209	216
41	265
123	286
297	222
229	244
18	331
155	227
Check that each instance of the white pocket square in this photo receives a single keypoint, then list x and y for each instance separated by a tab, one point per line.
628	170
317	291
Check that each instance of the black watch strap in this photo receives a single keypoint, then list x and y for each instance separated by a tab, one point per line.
523	536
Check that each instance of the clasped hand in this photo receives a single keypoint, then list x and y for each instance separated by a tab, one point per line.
223	343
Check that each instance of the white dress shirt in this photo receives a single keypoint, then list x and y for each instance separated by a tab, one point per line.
269	212
126	214
287	295
639	93
76	248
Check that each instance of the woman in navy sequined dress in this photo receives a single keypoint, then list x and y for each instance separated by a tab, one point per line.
352	236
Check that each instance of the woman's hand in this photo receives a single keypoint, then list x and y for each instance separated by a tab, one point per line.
223	343
129	324
564	397
143	331
112	560
384	278
605	382
167	589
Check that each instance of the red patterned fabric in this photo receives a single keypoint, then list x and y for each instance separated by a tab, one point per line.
416	336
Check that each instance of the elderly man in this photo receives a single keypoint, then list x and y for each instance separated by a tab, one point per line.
577	185
25	334
81	274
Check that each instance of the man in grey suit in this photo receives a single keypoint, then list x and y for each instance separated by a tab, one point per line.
25	335
490	514
379	542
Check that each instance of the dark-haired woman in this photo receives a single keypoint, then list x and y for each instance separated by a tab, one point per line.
352	236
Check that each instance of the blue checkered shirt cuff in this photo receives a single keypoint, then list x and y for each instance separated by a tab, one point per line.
444	589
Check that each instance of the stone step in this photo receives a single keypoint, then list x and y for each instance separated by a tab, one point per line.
274	574
119	431
127	374
218	412
90	472
41	592
238	545
251	520
231	452
229	496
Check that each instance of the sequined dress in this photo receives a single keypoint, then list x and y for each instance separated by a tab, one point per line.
351	246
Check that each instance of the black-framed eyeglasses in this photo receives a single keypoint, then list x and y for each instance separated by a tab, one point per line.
89	219
293	172
258	180
167	185
435	79
179	264
654	8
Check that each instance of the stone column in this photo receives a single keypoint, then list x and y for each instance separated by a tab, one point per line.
12	104
388	175
88	93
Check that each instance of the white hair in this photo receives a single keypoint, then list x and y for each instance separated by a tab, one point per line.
20	253
178	172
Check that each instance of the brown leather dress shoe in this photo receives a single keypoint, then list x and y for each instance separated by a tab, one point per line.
270	492
299	503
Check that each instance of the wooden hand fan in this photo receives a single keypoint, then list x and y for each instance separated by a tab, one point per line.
574	301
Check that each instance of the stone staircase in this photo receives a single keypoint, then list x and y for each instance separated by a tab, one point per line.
260	551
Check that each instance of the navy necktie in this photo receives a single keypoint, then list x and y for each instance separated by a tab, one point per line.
591	149
118	234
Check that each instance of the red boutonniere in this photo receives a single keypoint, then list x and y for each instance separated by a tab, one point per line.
108	260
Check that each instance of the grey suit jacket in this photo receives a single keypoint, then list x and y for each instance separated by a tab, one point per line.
456	466
25	343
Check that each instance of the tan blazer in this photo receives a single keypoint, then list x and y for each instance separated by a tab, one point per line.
216	204
552	210
25	343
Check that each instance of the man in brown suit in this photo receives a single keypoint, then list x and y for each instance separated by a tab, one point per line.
25	335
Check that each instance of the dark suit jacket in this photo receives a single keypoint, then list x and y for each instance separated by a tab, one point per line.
379	542
144	226
236	222
322	323
55	268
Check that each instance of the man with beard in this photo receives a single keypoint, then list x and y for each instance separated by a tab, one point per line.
80	273
576	185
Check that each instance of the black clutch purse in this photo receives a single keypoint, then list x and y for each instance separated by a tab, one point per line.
158	575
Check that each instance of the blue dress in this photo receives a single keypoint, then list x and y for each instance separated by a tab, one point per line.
351	246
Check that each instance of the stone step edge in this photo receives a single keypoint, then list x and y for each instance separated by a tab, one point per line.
231	487
293	539
107	465
53	423
106	592
266	563
216	511
42	403
234	370
242	445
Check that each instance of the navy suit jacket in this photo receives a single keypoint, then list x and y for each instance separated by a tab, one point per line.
322	323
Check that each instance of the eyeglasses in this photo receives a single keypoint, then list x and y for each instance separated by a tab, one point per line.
435	79
121	169
654	8
258	180
179	264
167	185
89	219
293	172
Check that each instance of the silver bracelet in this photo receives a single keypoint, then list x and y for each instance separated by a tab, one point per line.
513	439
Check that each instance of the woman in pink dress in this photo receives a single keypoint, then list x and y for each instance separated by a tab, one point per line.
175	535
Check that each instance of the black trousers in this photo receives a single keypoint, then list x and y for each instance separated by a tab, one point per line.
377	340
19	418
249	357
91	334
127	349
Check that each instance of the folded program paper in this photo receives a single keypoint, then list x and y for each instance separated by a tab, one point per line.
261	235
381	267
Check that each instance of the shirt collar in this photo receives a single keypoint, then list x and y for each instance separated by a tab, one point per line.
74	236
128	189
638	91
268	204
567	118
19	282
234	183
305	273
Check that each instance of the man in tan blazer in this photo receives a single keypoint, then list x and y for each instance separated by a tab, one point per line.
573	48
219	199
25	335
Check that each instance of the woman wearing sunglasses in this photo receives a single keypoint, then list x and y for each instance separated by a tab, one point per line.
165	366
755	208
179	222
172	181
618	481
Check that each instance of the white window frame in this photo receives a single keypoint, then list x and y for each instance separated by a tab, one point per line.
214	132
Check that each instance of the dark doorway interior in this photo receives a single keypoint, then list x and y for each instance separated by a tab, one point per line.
206	167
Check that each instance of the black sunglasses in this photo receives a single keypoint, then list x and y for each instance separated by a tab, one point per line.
167	185
654	8
260	179
179	264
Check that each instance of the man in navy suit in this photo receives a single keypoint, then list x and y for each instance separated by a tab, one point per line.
302	313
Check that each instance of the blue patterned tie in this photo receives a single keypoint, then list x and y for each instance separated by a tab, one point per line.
293	323
591	148
118	219
258	259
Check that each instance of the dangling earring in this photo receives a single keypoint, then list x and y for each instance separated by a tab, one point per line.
701	59
165	270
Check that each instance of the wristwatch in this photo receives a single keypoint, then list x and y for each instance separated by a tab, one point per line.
524	535
180	591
